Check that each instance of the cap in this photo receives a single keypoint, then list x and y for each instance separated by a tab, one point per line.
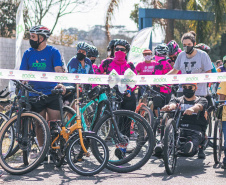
147	51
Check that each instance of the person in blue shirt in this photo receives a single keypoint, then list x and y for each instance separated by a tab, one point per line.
45	58
80	63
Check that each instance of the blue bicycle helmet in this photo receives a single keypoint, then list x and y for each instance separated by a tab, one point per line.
83	46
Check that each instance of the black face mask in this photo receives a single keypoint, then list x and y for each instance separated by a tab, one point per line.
188	93
189	49
93	61
35	44
81	56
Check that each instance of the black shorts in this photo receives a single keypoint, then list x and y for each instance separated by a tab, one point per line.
51	102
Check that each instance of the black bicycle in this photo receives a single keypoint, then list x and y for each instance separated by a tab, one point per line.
31	136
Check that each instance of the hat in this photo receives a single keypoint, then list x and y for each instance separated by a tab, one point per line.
195	84
147	51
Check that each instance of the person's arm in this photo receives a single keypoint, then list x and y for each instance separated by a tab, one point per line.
199	106
222	96
173	71
169	107
209	71
59	69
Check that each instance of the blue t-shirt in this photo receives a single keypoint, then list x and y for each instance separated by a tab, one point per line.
45	60
75	66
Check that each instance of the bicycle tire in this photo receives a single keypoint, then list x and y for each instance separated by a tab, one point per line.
91	138
217	141
68	112
124	164
5	162
210	117
169	129
147	114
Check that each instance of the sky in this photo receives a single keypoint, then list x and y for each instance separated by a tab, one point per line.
84	21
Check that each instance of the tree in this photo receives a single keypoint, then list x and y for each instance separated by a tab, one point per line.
8	17
39	9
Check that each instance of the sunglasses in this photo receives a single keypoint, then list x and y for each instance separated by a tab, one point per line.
120	49
188	87
145	54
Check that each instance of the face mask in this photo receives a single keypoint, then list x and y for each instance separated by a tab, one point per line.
34	44
189	49
147	57
93	61
80	56
188	93
109	53
119	55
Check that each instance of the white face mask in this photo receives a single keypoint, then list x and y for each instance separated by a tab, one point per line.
147	57
109	53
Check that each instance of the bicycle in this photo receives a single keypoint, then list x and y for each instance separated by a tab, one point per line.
27	127
218	132
76	146
137	133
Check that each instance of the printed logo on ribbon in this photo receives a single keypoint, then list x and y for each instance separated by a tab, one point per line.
94	79
142	79
175	79
77	77
207	77
28	76
11	73
221	78
192	79
159	80
1	74
61	78
44	76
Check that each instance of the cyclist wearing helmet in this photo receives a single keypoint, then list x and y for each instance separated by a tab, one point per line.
45	58
111	48
174	50
92	55
162	67
80	63
219	63
206	48
120	64
191	61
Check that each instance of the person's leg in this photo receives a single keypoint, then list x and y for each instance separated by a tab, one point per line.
53	114
224	132
38	129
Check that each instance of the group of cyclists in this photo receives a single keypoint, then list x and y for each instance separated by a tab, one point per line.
166	59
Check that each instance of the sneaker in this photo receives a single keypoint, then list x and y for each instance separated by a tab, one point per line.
188	147
158	150
201	154
223	166
119	153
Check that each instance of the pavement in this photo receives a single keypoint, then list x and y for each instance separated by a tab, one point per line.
189	171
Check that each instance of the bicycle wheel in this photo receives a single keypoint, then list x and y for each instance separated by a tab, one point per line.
140	138
87	164
29	154
217	141
147	114
68	113
169	150
9	135
210	117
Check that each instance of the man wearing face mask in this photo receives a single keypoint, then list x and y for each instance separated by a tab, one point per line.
222	68
45	58
145	68
194	126
92	55
191	61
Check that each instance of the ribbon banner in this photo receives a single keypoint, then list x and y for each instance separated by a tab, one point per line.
128	79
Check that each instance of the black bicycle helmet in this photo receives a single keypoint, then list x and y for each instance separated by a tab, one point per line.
111	44
161	50
203	47
83	46
173	47
93	52
40	30
124	43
